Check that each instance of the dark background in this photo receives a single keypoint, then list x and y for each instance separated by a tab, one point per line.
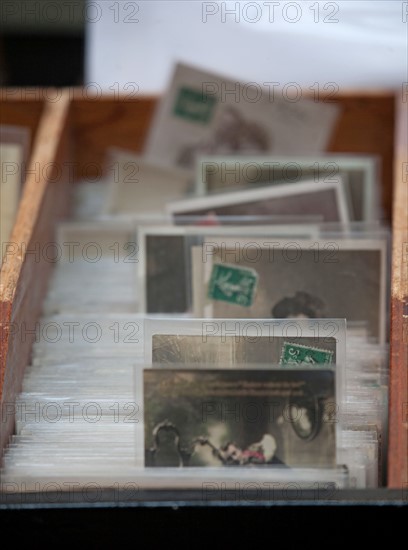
230	527
42	43
41	60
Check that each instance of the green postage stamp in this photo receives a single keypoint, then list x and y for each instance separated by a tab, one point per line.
297	354
194	105
232	284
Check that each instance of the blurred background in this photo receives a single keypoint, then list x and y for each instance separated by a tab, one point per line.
42	42
118	45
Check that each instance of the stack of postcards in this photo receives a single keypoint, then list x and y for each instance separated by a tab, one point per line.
218	310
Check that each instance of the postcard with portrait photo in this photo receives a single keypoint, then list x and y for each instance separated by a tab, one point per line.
339	277
164	254
243	418
308	198
360	175
249	343
198	116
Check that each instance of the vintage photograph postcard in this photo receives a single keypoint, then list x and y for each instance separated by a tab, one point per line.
198	116
231	350
250	278
139	186
307	198
360	175
245	341
164	259
260	418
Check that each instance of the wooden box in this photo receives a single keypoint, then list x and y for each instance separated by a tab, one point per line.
72	135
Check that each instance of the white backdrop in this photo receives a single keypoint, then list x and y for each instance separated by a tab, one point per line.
351	43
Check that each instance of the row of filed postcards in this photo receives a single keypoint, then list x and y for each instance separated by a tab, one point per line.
128	384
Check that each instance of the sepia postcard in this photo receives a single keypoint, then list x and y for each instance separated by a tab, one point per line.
235	342
243	418
164	259
200	116
234	350
340	277
307	198
360	175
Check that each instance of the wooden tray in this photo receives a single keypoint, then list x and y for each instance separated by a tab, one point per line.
72	133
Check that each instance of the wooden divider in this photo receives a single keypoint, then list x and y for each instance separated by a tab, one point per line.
398	408
24	273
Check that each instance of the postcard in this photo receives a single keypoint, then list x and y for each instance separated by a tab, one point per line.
200	115
243	418
360	175
245	341
251	278
307	198
164	253
209	349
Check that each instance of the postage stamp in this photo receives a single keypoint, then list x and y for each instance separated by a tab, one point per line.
231	284
194	105
298	354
